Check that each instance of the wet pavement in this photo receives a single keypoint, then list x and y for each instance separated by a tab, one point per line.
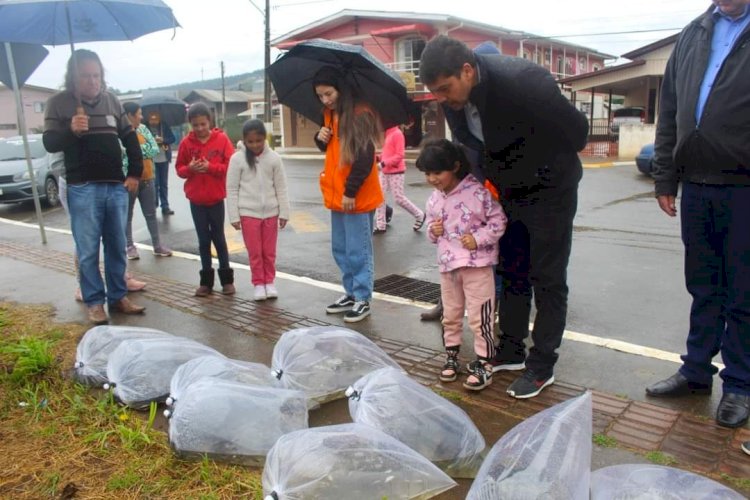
244	329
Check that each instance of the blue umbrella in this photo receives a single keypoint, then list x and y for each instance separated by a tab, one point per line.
58	22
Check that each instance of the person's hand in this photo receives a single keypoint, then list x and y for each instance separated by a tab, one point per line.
131	184
436	228
203	165
324	135
469	242
667	204
237	225
347	204
282	223
159	139
79	123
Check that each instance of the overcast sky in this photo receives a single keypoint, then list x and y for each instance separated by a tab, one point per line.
232	31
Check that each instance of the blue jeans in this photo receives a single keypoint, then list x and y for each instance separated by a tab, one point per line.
717	274
98	212
351	244
209	226
161	181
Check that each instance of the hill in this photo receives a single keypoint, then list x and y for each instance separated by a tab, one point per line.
242	81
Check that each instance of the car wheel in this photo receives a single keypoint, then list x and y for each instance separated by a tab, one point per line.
51	192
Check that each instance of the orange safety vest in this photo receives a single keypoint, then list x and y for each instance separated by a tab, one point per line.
334	175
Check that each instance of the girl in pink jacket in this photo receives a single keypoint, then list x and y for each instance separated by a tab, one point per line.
466	223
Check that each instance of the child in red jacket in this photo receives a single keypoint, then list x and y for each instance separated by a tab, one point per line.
202	160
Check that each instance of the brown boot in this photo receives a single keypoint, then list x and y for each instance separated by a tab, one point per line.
97	315
207	283
126	307
226	277
433	314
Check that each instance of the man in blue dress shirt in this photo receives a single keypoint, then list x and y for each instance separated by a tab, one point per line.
703	142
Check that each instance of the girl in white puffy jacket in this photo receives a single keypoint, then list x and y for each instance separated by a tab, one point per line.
258	204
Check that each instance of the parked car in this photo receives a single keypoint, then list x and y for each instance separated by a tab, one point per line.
645	159
635	114
15	184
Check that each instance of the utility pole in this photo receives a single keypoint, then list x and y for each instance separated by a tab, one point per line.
267	81
223	97
266	13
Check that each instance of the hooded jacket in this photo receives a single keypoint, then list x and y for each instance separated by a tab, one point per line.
468	209
532	133
392	156
716	150
207	188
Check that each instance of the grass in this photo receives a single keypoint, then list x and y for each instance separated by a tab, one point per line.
739	483
59	436
449	395
604	441
660	458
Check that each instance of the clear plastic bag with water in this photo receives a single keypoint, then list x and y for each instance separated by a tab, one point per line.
389	400
98	343
349	461
140	370
323	361
245	372
233	422
546	456
655	482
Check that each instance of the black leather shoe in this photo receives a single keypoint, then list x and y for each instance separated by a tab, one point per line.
677	385
733	410
433	314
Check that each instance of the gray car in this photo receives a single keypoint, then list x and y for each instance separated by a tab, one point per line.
15	184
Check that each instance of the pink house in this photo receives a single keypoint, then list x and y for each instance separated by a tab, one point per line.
398	38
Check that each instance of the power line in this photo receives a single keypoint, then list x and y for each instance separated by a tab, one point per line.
604	33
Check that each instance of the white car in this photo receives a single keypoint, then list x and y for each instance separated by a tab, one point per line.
620	116
15	182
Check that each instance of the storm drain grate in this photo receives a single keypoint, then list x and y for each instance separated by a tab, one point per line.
408	288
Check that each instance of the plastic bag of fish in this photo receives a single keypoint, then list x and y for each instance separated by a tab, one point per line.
140	370
389	400
245	372
349	461
98	343
546	456
323	361
647	481
233	422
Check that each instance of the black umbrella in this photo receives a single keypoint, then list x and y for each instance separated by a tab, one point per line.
292	75
171	109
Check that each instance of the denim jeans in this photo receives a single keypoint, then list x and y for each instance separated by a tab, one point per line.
717	274
98	212
209	226
145	196
161	187
351	244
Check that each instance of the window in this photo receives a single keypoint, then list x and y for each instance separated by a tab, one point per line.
560	65
408	52
582	66
38	107
526	54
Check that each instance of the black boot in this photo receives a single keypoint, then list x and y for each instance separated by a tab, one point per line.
433	314
207	283
226	277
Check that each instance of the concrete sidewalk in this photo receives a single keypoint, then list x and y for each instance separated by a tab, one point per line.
241	328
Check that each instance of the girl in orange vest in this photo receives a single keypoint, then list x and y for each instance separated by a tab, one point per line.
350	186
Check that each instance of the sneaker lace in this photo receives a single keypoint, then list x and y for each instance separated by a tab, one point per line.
359	306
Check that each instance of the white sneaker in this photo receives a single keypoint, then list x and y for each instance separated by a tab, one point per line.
271	292
260	292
